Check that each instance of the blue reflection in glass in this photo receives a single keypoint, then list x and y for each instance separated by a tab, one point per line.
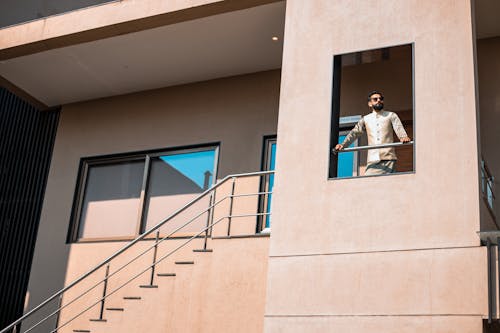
272	163
197	166
345	162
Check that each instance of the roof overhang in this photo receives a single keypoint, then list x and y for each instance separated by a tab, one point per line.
221	45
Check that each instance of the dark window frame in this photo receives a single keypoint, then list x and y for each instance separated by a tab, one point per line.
335	126
146	155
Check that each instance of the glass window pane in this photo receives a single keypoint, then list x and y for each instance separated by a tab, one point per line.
345	162
111	200
272	163
174	180
489	196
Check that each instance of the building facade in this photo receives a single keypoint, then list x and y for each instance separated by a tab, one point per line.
192	183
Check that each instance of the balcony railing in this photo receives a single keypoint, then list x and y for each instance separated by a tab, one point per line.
385	145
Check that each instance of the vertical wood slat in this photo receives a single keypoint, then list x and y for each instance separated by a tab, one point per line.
26	141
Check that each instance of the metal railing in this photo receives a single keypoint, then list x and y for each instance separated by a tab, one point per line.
205	233
385	145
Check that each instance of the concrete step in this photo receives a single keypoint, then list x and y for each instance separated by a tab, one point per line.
148	286
99	320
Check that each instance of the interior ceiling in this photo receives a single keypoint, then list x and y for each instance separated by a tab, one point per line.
487	21
217	46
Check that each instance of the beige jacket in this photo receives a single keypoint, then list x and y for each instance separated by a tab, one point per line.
379	128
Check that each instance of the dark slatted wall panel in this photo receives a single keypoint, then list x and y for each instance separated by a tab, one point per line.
26	140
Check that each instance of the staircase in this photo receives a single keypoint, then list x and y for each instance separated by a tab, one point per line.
161	282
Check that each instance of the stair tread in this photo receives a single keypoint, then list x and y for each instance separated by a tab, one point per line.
148	286
99	320
184	262
132	297
115	309
203	250
82	331
165	274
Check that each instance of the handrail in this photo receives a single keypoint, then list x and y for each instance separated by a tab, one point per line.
385	145
137	257
149	266
133	242
152	246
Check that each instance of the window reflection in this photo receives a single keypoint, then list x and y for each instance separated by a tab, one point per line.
197	167
174	180
122	196
112	198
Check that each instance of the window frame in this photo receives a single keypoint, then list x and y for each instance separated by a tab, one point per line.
146	155
336	127
267	143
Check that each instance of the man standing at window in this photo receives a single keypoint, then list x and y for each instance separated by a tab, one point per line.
379	126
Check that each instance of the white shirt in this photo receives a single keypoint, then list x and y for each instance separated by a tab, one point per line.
379	126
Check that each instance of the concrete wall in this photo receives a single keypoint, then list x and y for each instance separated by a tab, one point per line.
387	251
237	112
489	104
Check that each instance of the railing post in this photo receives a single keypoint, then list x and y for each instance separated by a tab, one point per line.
498	271
155	251
490	281
209	219
104	290
267	207
231	199
58	311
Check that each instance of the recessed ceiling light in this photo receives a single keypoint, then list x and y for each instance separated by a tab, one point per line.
275	38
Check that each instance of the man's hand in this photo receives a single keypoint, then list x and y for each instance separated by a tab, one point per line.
338	147
406	139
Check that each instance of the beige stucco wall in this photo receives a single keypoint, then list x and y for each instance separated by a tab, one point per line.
489	105
327	233
237	112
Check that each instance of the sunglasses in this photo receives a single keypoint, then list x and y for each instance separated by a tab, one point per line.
374	99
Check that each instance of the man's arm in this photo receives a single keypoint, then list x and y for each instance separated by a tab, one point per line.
353	135
399	128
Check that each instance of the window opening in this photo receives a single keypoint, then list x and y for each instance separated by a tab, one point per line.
386	116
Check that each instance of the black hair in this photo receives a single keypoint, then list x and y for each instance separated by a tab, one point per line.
371	93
